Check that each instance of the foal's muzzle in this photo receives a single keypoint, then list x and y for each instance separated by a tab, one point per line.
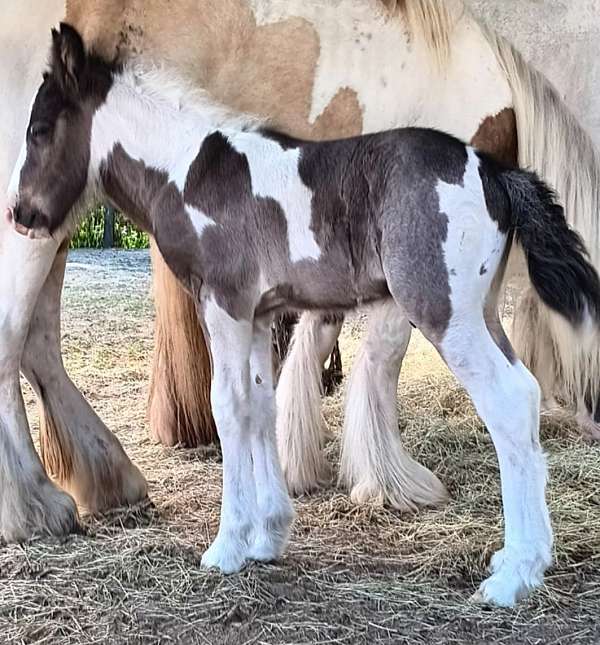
31	223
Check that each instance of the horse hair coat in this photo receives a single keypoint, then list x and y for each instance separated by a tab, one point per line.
253	223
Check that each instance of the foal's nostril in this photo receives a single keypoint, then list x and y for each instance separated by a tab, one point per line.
16	213
29	218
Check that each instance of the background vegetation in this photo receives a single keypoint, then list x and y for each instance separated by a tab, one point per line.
90	234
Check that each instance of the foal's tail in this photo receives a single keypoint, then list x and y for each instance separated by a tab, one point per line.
555	145
558	262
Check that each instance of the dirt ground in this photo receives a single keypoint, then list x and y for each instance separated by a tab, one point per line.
351	575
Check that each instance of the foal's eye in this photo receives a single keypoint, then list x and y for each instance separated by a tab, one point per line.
39	129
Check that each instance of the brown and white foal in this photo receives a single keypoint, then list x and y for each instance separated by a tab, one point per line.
252	223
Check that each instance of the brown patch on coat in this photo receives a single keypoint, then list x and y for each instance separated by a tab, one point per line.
497	135
343	115
210	44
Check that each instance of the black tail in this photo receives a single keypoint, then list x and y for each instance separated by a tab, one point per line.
557	259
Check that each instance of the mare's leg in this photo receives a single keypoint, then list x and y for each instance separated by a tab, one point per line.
79	452
507	398
588	415
300	434
274	510
29	502
374	464
565	363
533	343
230	346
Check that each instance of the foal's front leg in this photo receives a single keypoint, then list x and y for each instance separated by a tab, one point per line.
274	513
230	345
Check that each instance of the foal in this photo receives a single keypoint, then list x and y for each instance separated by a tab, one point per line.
253	223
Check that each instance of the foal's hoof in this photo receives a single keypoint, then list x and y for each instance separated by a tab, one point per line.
228	556
494	593
272	533
514	577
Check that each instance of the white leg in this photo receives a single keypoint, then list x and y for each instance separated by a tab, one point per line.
230	345
79	451
374	464
300	435
29	502
507	398
274	509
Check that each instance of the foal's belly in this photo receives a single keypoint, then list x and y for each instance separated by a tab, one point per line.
326	285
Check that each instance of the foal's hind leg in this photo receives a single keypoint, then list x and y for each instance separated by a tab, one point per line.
79	452
507	398
374	464
300	433
30	503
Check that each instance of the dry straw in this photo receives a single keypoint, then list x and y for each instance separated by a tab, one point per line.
351	575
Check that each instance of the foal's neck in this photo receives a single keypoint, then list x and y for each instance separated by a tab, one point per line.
157	123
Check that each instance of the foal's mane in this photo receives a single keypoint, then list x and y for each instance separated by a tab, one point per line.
162	85
428	19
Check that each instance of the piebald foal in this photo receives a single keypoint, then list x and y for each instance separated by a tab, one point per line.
253	222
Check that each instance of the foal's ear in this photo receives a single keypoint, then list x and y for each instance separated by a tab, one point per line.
68	58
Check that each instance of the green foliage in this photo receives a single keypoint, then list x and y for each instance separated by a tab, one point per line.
127	236
90	234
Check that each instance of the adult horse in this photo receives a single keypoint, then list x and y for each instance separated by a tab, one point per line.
83	457
289	61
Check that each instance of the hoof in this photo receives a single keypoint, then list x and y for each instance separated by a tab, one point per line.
307	477
47	511
226	555
590	429
421	490
514	577
272	537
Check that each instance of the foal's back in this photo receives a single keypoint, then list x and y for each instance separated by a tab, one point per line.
366	210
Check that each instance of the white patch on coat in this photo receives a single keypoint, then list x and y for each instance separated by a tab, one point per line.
473	240
396	79
13	183
505	395
274	174
199	220
131	105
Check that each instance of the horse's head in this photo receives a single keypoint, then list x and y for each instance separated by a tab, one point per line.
53	168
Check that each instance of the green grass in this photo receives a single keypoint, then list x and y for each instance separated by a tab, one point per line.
90	234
